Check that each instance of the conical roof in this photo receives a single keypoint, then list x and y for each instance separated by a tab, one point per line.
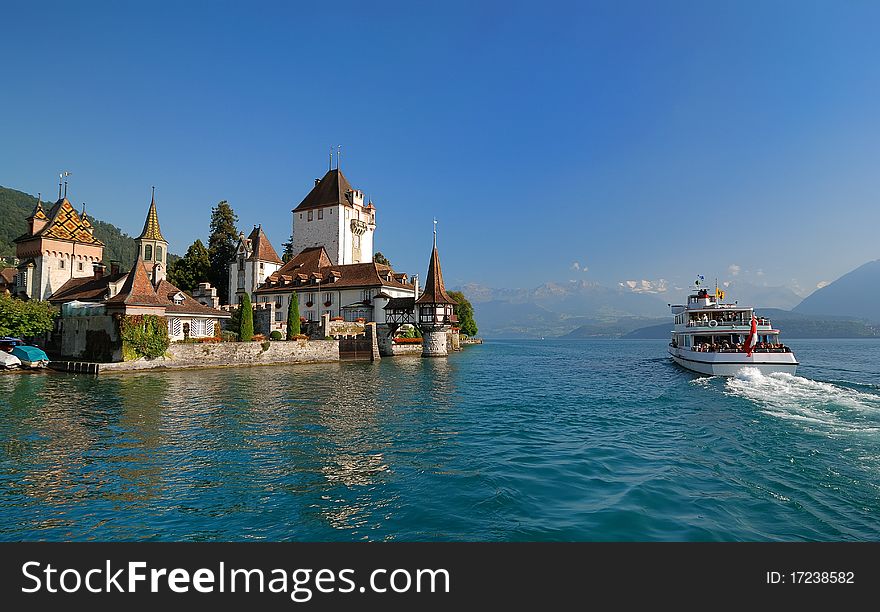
137	289
151	225
435	291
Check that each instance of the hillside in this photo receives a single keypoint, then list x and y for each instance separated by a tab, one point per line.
16	206
791	324
855	294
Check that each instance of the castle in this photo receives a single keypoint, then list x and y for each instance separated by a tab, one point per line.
333	274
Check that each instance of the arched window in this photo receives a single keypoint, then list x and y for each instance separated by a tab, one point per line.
148	252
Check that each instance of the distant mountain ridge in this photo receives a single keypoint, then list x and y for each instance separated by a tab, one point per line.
16	206
855	294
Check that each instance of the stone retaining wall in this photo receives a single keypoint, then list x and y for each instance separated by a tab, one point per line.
235	354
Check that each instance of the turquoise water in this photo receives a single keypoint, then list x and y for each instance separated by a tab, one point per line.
512	440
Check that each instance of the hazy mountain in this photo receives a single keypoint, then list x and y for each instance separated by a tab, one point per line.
855	294
749	294
557	308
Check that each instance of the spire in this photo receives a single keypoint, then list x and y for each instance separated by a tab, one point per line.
39	213
137	289
151	225
435	291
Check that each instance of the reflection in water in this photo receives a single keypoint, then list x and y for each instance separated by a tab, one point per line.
511	440
215	454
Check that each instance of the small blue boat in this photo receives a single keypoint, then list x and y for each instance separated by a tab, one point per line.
30	356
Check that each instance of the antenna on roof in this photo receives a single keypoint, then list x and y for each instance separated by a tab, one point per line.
338	155
62	177
435	232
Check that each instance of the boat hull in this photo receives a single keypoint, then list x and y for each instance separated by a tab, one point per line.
729	364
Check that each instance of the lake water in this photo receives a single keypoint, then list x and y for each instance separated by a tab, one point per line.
511	440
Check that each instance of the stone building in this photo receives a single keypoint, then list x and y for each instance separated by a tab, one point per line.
353	292
333	215
255	259
57	247
143	290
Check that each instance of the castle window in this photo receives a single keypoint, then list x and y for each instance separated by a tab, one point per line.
367	294
320	213
328	298
158	253
310	215
241	263
80	266
261	265
279	300
61	263
148	252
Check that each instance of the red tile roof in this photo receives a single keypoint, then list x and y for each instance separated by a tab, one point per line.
88	289
137	289
7	275
328	191
261	248
435	291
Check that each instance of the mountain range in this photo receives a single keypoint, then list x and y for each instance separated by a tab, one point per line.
848	307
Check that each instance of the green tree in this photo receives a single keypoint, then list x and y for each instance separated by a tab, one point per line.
381	259
465	313
287	255
25	319
293	317
246	328
191	269
221	246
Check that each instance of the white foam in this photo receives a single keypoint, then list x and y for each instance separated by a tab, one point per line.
808	401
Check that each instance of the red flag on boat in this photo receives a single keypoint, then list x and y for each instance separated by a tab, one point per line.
752	338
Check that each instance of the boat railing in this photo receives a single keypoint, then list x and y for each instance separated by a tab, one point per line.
724	323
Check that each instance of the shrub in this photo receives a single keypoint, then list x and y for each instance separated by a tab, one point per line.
265	346
143	336
228	336
407	341
258	338
293	317
246	330
276	335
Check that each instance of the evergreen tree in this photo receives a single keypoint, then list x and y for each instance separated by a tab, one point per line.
191	269
221	246
293	317
287	255
381	259
246	328
465	313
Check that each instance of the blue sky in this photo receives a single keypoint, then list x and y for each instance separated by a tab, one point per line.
641	140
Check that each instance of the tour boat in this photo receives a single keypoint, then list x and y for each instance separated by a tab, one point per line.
719	339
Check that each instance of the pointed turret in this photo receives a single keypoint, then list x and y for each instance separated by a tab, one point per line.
435	309
151	225
38	218
152	246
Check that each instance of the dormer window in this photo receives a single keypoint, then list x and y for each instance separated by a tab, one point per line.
178	298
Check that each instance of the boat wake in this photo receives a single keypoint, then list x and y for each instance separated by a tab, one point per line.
815	404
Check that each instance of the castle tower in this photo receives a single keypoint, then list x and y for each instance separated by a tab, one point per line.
152	246
435	309
333	215
56	248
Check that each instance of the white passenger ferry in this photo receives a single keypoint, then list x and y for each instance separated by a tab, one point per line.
721	339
